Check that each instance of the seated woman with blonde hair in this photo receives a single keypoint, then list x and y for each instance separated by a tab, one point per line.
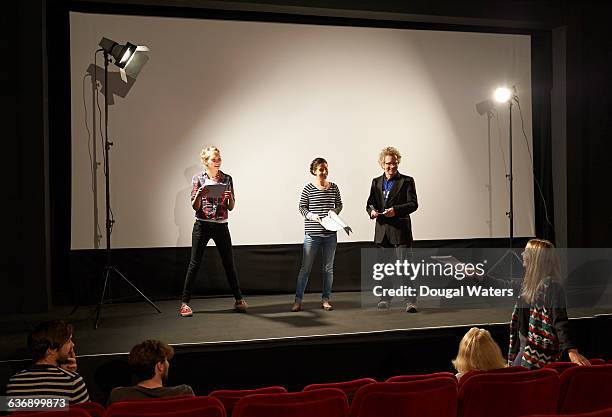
478	352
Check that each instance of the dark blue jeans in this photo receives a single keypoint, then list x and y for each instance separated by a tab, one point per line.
219	233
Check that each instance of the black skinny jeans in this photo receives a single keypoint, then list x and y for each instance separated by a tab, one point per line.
219	233
401	252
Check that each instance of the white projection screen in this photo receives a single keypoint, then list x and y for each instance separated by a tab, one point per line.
273	96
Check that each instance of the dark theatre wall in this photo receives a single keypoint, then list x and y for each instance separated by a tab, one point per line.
35	254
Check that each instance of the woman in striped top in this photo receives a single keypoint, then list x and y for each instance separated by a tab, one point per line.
318	198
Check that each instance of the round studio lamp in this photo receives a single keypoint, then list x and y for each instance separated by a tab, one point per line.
502	94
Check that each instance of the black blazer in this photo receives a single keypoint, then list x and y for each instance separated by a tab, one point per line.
403	199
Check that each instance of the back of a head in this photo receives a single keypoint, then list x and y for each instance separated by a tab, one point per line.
478	352
144	356
48	335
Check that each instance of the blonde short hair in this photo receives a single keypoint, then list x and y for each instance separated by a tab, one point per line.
207	153
542	262
478	352
389	150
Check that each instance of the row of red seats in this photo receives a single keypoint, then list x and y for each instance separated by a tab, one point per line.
562	366
508	392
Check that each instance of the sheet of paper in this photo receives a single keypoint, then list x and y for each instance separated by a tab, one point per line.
214	190
330	224
334	223
337	219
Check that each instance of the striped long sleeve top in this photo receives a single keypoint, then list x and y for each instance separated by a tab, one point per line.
48	381
319	202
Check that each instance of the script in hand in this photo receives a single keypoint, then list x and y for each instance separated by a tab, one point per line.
214	190
334	223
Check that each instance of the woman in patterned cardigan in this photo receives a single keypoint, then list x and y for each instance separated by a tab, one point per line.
539	329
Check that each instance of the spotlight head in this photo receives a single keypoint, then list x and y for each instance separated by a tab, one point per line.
502	94
129	58
126	52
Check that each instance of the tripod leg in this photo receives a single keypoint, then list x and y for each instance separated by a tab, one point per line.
499	261
135	288
99	308
508	259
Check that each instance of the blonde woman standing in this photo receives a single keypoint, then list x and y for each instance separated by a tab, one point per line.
211	222
540	329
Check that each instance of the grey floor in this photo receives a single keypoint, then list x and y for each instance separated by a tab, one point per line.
214	322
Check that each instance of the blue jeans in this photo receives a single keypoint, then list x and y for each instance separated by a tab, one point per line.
328	251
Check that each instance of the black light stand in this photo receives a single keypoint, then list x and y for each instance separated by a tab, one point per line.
486	107
109	268
510	213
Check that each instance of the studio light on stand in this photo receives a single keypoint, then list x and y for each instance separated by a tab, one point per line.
503	95
130	59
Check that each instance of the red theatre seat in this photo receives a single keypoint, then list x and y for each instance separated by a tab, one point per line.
348	387
92	408
585	388
71	412
510	394
597	361
181	407
560	367
507	370
160	399
229	397
601	413
326	402
195	412
435	397
418	377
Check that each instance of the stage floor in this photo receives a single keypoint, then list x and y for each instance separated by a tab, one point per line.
215	322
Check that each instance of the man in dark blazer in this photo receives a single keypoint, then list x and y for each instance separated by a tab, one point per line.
392	198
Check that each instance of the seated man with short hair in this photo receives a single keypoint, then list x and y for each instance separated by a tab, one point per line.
54	371
149	361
